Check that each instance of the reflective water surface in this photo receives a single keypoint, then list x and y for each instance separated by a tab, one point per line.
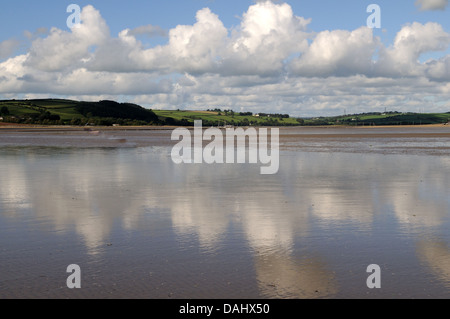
140	226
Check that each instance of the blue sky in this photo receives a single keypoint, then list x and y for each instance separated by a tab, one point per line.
246	65
20	15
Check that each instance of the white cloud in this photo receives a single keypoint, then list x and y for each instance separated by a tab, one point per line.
12	70
63	49
344	53
426	5
264	64
413	40
338	52
195	48
268	35
439	70
192	49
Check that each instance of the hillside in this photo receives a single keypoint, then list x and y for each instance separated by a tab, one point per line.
107	113
69	112
383	119
223	118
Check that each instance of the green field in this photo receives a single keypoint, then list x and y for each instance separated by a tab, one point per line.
69	112
34	108
222	119
391	118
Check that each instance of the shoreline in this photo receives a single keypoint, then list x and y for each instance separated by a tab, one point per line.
66	128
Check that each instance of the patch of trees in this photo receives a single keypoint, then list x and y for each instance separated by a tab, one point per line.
317	122
399	119
115	110
215	110
45	118
373	113
279	116
46	115
173	122
4	110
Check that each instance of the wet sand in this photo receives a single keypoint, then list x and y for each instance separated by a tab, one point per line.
321	131
328	138
139	226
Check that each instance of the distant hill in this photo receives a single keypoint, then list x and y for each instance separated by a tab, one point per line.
383	119
107	113
69	112
111	109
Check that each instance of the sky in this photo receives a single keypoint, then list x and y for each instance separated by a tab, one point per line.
299	57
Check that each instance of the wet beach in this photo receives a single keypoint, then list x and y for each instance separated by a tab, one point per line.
139	226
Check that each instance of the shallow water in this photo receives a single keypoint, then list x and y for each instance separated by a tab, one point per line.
140	226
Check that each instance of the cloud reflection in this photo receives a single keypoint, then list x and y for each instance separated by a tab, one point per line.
93	190
436	255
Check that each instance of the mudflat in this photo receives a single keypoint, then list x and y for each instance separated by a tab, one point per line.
290	137
112	201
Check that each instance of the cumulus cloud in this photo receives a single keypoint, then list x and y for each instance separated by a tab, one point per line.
439	70
427	5
268	35
12	70
271	61
195	48
266	43
413	40
344	53
338	52
190	48
62	49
